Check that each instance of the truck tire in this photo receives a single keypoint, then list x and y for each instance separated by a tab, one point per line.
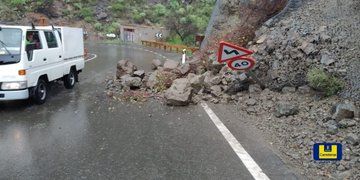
70	79
40	92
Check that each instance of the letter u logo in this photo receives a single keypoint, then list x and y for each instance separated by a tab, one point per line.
328	151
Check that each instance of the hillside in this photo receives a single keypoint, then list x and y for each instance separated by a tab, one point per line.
183	18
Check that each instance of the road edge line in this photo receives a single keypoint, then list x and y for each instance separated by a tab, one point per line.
95	56
244	156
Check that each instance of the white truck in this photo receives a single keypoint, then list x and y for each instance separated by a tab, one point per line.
32	57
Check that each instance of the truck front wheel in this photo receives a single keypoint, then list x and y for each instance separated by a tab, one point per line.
70	79
40	92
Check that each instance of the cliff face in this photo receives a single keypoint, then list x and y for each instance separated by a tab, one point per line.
236	21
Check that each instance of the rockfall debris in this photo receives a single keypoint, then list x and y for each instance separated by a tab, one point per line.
321	35
294	118
287	109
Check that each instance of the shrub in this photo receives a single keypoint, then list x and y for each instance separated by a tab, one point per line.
163	81
66	12
86	12
98	26
321	81
89	19
17	2
138	17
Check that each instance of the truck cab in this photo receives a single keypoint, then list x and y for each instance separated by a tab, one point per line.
30	58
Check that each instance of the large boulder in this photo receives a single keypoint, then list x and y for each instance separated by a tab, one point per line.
125	67
180	93
152	80
285	109
196	81
155	64
345	110
131	82
207	79
238	85
308	48
139	73
170	65
216	80
216	90
183	69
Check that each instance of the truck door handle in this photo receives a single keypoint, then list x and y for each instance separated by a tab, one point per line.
45	59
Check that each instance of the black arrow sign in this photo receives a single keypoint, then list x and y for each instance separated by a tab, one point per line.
231	52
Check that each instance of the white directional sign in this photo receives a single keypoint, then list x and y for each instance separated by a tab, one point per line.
158	35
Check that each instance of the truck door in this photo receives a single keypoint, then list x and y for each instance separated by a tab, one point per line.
54	54
34	48
36	51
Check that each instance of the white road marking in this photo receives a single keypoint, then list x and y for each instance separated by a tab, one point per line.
92	58
249	162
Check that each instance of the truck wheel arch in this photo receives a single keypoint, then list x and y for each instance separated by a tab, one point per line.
73	68
44	77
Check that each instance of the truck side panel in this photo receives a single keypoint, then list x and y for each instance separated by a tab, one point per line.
73	47
73	43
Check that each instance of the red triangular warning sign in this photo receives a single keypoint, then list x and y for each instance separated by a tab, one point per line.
228	52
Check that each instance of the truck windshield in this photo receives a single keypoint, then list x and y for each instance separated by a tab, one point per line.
10	45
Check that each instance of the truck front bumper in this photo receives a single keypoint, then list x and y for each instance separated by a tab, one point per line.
14	95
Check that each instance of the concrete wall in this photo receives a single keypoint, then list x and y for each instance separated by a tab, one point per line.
141	33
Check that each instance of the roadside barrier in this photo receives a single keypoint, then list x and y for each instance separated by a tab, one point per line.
168	47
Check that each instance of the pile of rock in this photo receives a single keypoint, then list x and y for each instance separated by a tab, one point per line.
285	54
128	75
180	84
309	38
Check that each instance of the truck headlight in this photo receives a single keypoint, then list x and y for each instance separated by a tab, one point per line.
14	85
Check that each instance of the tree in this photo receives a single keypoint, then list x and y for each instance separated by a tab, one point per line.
188	18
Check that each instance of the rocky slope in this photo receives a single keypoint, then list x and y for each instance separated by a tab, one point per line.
235	21
322	34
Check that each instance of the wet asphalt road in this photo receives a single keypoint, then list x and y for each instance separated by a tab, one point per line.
80	134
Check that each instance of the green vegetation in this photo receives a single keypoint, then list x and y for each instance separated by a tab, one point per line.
184	18
321	81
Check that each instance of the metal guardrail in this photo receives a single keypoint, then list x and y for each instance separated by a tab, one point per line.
168	47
